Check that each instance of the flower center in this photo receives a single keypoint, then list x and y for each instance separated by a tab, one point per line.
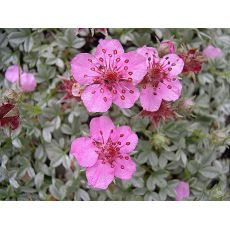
108	152
110	77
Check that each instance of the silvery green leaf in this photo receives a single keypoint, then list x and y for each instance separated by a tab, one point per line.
38	180
209	172
46	135
17	143
28	44
83	195
14	183
18	37
151	183
3	174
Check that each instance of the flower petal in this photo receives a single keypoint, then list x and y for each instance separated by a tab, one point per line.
149	53
84	151
108	50
84	68
150	99
127	138
126	94
124	167
101	128
170	89
132	66
97	98
173	64
100	175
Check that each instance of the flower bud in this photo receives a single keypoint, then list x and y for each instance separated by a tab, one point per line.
28	82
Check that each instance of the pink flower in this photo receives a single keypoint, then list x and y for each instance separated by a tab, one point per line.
212	52
182	190
110	76
105	153
28	82
12	73
160	82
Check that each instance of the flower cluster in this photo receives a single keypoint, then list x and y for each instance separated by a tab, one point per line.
112	76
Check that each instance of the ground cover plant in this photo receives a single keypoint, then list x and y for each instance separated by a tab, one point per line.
114	114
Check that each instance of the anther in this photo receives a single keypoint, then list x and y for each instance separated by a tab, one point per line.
169	87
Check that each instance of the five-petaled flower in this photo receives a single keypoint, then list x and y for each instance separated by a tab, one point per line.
110	75
105	153
160	82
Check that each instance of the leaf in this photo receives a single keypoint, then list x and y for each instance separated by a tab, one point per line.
18	37
38	180
83	195
46	135
209	172
28	44
14	183
151	183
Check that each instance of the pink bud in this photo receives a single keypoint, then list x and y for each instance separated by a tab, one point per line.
212	52
28	82
182	190
167	47
12	73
